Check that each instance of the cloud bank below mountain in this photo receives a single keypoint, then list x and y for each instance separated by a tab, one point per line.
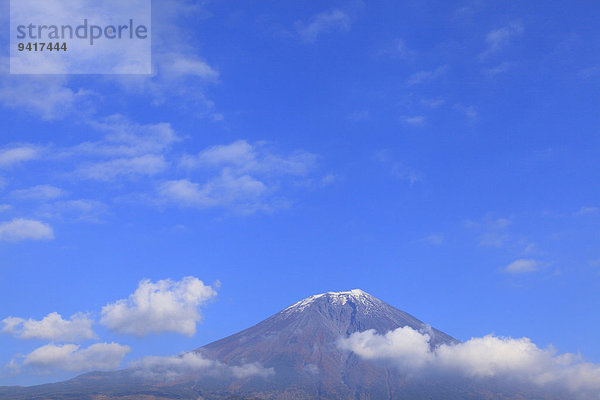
516	360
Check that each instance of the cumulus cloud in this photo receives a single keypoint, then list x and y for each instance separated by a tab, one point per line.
25	229
73	358
486	357
162	306
327	21
52	327
521	266
39	192
169	368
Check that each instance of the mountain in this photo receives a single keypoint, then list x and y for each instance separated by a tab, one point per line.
299	348
300	343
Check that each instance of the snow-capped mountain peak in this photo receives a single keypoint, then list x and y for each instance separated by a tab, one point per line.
337	298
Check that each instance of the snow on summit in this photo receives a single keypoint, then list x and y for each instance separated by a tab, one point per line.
337	298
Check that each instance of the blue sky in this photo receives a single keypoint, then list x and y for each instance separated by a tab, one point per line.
441	157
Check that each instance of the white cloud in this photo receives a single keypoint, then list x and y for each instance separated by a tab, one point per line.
435	239
128	138
587	211
48	96
489	356
19	154
327	21
128	150
245	157
52	327
417	120
433	102
423	76
225	190
24	229
521	266
169	368
402	50
590	72
181	65
498	39
78	210
397	168
498	69
179	72
73	358
39	192
493	231
242	176
146	165
469	111
164	306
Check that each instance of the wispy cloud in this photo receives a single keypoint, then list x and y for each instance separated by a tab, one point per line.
435	239
498	69
397	168
225	190
18	154
522	266
433	102
170	368
498	39
85	210
146	165
242	176
493	232
417	120
39	192
468	111
583	211
49	97
425	75
324	22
